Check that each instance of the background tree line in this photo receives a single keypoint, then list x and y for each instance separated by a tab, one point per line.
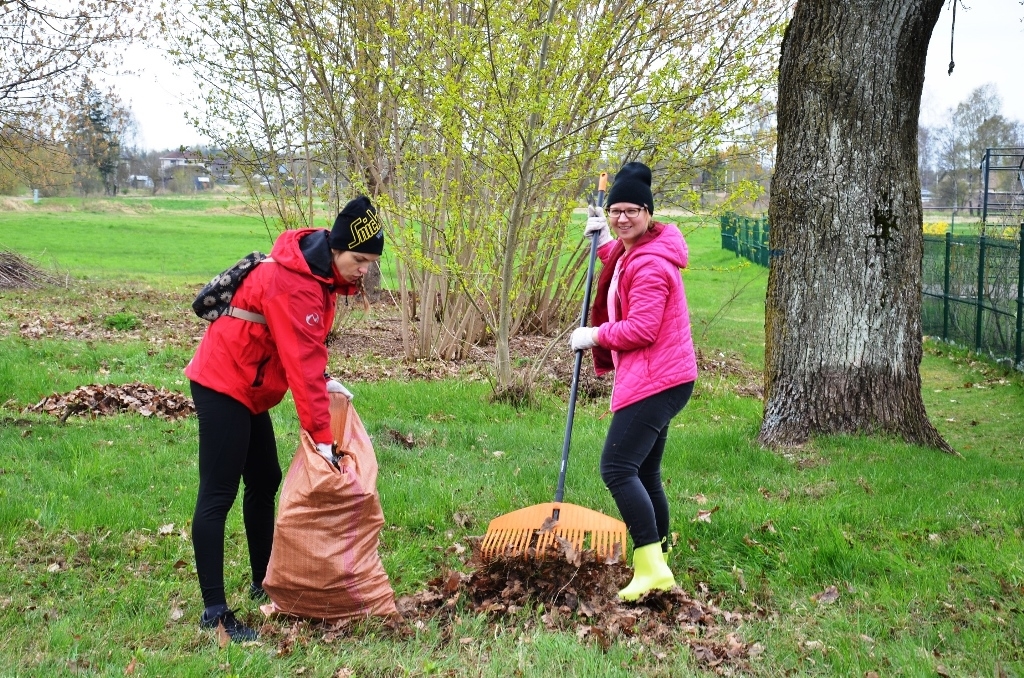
950	155
57	130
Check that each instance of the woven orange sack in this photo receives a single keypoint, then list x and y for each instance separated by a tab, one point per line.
324	563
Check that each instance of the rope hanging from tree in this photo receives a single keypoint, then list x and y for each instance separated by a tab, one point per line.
952	28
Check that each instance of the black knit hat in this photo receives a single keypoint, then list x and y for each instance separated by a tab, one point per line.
357	228
633	184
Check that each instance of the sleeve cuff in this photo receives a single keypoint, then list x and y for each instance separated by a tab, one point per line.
323	436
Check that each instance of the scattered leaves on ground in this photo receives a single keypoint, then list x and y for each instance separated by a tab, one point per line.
363	348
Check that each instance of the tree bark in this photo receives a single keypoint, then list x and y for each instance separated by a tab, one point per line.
843	310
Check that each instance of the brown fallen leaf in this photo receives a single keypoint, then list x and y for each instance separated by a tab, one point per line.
130	669
406	441
548	524
829	595
704	516
223	639
572	556
453	582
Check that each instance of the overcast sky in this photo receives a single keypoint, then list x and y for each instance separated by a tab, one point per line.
987	49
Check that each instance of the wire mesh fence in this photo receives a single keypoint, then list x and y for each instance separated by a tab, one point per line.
972	285
973	293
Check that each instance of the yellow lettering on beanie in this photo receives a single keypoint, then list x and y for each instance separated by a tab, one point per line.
364	228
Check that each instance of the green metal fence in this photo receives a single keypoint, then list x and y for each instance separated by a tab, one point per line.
973	293
972	286
746	236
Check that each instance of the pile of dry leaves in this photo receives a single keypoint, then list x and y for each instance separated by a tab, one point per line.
107	399
573	591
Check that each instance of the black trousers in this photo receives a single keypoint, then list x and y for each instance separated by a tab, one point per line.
631	462
234	445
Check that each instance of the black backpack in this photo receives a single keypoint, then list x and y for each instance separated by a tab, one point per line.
214	300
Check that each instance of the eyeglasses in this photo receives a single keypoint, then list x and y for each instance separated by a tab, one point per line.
631	212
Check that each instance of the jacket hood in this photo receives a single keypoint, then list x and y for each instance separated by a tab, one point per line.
665	241
288	252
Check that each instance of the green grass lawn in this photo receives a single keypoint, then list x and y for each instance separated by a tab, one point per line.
164	248
926	550
168	241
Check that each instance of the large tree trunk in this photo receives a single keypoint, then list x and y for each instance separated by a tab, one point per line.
843	313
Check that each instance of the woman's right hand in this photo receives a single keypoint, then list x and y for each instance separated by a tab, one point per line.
597	225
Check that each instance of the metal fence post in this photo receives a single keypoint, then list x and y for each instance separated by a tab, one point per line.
764	242
755	249
945	289
737	233
1018	357
981	293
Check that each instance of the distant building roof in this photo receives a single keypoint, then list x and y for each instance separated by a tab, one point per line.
183	155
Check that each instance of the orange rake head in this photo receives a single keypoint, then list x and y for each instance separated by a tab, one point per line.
538	528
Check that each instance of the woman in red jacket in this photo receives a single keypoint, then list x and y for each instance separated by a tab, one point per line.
273	341
642	332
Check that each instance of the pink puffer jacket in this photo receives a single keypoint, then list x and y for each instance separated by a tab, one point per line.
651	338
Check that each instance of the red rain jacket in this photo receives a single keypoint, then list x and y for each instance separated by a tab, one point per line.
255	363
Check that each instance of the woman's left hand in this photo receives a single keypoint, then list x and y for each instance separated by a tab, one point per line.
335	386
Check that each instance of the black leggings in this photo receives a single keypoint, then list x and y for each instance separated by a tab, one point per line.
234	445
631	462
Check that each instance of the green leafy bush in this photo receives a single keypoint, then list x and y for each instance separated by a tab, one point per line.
123	321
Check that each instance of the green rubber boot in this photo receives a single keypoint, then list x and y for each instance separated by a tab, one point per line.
650	572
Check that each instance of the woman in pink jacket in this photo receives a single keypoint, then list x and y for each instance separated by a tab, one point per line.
642	332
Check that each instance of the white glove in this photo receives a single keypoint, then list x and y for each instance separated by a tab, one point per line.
583	338
597	225
334	386
326	451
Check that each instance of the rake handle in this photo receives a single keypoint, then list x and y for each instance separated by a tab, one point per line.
602	184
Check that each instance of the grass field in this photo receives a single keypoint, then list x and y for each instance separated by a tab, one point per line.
926	551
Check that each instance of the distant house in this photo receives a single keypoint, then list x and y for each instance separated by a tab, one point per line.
140	181
181	159
203	183
220	169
